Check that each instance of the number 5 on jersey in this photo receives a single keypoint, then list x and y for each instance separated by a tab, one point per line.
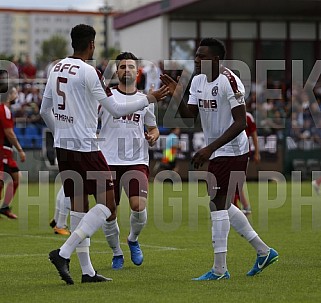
61	93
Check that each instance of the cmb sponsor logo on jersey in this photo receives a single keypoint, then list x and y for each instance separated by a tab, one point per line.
207	105
129	119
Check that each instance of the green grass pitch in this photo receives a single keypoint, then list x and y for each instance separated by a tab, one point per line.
177	246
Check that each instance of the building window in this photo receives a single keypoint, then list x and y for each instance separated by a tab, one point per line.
302	31
243	30
183	29
244	51
303	50
273	30
214	29
183	50
273	50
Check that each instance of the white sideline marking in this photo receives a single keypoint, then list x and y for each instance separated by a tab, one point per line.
60	239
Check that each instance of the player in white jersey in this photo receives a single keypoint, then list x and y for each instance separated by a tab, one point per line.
70	110
124	144
218	96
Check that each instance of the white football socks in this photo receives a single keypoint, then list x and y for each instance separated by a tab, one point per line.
60	195
56	216
241	224
111	231
220	231
64	209
82	248
88	225
138	220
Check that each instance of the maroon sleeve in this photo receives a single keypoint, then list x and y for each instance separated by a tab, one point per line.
6	117
251	126
103	84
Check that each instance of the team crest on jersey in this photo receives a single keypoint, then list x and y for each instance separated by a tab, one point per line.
215	90
241	100
239	97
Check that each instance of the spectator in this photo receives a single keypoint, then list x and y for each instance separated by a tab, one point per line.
28	70
152	73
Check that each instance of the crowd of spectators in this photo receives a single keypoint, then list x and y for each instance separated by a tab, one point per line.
25	109
286	112
292	113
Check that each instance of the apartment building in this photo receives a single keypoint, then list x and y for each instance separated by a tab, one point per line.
23	31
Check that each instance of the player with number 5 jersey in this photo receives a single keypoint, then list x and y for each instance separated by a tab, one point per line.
75	91
70	110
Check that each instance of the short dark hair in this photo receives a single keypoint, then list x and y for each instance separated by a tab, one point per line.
81	36
216	46
126	56
4	85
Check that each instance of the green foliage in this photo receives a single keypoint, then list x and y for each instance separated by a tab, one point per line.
177	246
52	49
110	54
6	57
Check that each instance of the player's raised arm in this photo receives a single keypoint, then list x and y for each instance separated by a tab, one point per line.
118	109
176	91
158	95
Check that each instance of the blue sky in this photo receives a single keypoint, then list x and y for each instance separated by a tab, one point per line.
90	5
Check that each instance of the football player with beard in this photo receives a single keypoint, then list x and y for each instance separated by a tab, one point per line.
124	143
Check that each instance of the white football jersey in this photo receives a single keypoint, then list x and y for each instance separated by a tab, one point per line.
122	140
215	101
75	89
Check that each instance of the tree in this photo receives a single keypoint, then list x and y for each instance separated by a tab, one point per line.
110	54
52	49
4	56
